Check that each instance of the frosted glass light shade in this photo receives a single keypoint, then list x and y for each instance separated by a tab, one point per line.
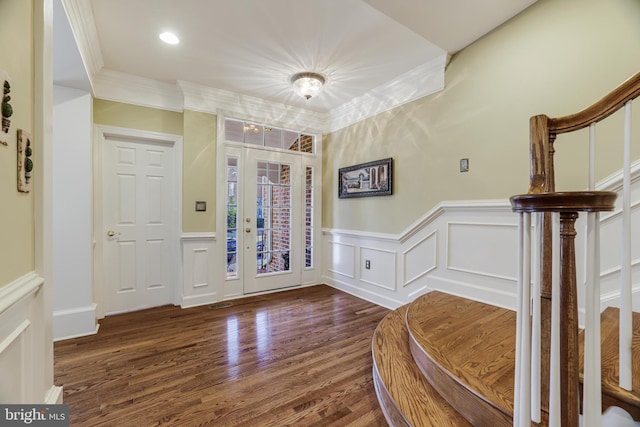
307	84
169	38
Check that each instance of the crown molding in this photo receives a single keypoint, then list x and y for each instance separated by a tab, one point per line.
211	100
116	86
83	27
421	81
121	87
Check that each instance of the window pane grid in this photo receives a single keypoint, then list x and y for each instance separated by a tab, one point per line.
268	136
232	216
273	241
308	218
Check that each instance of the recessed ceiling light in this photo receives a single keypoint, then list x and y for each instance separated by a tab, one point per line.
169	38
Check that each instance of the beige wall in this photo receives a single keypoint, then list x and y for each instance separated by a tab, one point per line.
556	58
16	209
119	114
199	173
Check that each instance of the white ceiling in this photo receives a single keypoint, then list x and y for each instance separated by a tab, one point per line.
252	47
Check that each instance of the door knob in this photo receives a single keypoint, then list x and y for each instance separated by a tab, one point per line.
248	230
112	233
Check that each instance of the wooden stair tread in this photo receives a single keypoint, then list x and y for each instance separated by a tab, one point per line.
472	343
457	356
612	393
407	399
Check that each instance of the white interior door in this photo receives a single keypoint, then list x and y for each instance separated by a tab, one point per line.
264	236
138	219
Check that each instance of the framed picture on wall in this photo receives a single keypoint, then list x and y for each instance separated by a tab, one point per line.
366	179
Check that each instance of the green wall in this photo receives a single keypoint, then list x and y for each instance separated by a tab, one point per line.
17	253
556	58
119	114
199	171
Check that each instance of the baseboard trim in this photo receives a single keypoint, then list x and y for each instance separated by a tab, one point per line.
364	294
478	293
54	396
198	300
74	323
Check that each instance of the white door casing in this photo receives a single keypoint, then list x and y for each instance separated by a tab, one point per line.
139	184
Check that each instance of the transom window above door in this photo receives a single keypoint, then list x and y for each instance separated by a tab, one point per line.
268	136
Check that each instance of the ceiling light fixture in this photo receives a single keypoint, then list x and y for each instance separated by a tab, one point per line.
169	38
307	84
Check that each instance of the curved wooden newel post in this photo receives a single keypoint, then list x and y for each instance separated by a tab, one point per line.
568	205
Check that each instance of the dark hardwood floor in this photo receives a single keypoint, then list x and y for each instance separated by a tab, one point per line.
294	358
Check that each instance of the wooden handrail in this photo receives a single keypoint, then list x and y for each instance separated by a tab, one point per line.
542	197
544	130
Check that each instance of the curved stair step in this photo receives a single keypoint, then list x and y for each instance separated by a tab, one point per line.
405	396
466	350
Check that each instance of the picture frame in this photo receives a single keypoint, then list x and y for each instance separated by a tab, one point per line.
366	179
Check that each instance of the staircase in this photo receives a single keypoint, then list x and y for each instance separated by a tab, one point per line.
443	360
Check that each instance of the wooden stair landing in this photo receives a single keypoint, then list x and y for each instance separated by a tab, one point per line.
406	398
445	360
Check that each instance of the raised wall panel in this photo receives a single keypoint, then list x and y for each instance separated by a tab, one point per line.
382	271
200	268
341	258
199	286
23	341
13	353
611	237
484	249
420	259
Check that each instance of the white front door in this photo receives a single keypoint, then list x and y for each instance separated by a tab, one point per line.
138	219
272	221
264	219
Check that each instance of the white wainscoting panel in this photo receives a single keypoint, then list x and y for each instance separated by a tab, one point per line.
22	343
420	258
16	352
341	258
382	267
477	239
476	248
197	270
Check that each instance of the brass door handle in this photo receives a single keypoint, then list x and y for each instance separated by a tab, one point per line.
112	233
248	230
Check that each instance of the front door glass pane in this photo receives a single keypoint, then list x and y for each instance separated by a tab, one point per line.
273	218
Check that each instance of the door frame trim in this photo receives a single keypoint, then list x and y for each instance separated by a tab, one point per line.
100	134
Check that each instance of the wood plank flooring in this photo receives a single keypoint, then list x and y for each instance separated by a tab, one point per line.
300	357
